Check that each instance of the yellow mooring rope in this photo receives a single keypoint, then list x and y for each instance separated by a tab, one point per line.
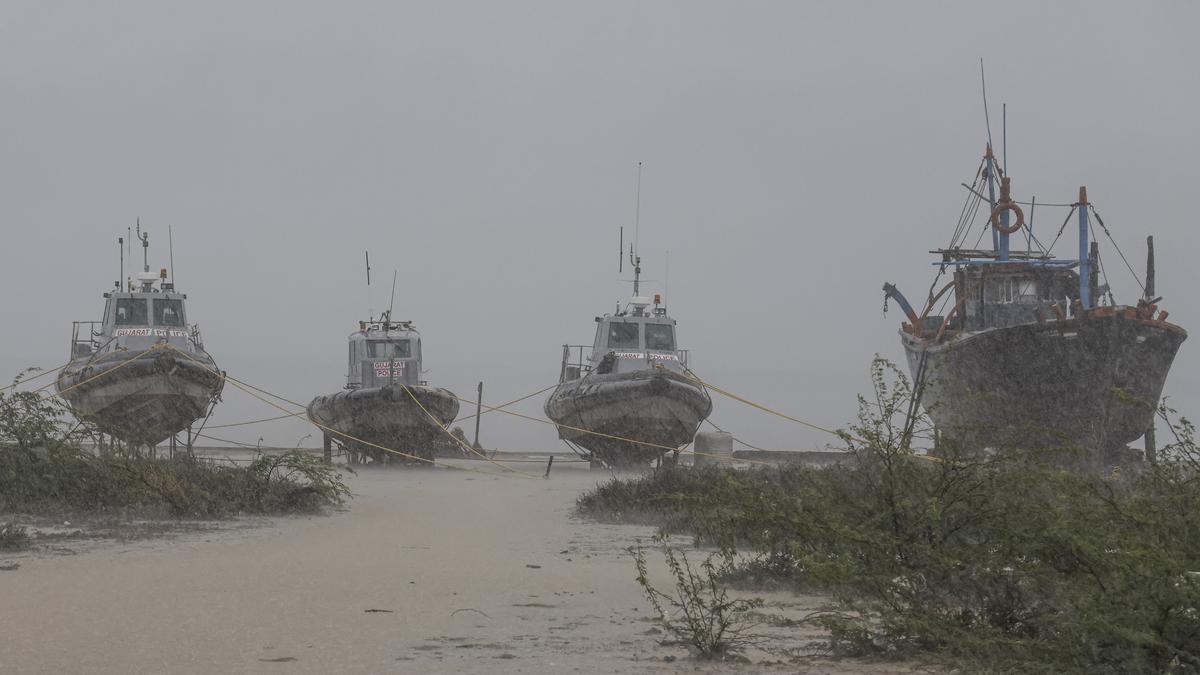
250	389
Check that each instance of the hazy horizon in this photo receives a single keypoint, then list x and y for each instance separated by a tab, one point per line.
796	156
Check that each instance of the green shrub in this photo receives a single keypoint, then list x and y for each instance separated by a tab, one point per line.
1004	562
43	468
699	611
13	537
69	479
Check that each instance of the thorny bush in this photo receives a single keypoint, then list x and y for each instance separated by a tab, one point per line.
1002	562
699	611
43	468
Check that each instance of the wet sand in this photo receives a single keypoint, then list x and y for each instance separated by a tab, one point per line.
426	571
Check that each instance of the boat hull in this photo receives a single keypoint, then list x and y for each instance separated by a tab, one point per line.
141	399
389	417
660	409
1090	383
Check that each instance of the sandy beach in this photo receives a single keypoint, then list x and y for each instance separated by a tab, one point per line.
425	571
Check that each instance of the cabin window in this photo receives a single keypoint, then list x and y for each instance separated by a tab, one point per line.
132	312
389	349
1009	290
622	335
659	336
1002	291
168	312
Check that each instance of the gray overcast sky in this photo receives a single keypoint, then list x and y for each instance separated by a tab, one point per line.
796	156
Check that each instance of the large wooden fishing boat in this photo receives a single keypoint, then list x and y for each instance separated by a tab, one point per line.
1021	348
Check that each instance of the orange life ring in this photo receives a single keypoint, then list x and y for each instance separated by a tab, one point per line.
1007	206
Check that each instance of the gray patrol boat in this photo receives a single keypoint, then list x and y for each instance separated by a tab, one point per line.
141	374
385	403
630	399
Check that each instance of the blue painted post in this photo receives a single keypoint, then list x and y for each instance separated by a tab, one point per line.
990	170
1004	198
1085	272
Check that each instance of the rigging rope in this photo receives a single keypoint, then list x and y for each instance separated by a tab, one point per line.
248	389
1064	226
102	373
268	419
456	439
40	374
1118	248
764	408
738	440
604	435
505	405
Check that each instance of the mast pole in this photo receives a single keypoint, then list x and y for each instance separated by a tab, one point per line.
637	222
478	414
145	237
1004	156
990	170
370	309
637	273
1151	442
1085	265
1150	267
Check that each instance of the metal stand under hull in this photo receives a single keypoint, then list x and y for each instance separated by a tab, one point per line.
144	402
1092	384
658	408
387	417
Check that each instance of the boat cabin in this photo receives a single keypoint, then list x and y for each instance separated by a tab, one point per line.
998	296
384	353
635	339
137	319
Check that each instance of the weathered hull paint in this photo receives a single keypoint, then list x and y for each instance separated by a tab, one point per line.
388	417
143	402
1091	384
656	407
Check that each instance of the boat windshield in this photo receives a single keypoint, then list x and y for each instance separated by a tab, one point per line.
168	312
622	335
132	312
660	337
389	349
1016	290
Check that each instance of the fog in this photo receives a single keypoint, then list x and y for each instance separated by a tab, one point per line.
796	156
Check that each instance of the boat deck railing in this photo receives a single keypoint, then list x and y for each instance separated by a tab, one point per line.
575	362
84	336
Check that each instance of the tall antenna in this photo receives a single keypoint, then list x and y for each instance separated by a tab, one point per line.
121	249
1004	137
634	258
636	261
983	84
393	300
145	237
171	248
637	212
667	283
621	252
370	309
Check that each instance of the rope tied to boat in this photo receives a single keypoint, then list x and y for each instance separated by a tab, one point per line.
456	439
251	390
148	352
842	434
